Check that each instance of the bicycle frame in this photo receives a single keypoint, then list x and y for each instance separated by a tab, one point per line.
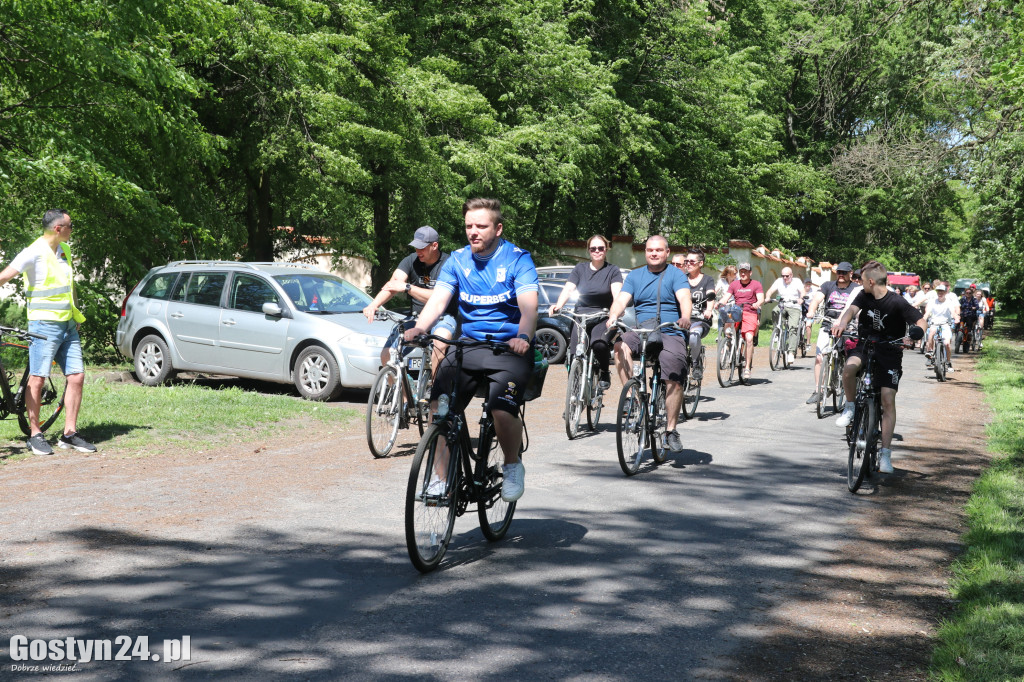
13	399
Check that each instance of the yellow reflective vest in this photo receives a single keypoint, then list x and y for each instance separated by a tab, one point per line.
54	299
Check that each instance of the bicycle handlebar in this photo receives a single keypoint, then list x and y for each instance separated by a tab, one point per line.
583	318
14	331
497	346
385	315
642	331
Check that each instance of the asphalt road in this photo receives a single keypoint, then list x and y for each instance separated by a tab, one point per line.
662	576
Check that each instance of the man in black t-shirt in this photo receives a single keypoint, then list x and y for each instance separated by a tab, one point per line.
702	295
882	315
415	276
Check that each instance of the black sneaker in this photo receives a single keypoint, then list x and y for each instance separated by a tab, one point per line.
604	380
814	399
38	445
75	441
673	441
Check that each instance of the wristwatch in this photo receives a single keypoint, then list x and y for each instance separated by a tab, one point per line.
526	338
408	287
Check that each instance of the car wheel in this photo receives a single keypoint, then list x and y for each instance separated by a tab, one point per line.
153	361
551	344
316	374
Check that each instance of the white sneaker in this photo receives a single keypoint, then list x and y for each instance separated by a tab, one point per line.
846	417
435	488
790	358
513	481
885	461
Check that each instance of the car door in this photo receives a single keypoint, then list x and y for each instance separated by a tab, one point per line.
250	340
193	317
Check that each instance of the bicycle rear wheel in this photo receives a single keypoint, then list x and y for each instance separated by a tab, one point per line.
824	384
776	358
594	397
574	397
862	432
424	383
51	400
691	393
495	513
631	431
724	365
383	411
430	505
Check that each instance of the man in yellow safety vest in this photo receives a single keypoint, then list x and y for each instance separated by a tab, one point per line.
50	296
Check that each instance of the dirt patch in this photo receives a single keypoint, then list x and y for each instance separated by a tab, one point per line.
871	610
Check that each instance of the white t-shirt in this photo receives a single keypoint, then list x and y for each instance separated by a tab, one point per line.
792	292
941	312
32	262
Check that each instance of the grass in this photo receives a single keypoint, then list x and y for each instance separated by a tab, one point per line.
140	420
985	638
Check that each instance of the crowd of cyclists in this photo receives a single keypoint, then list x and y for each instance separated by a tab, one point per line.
491	288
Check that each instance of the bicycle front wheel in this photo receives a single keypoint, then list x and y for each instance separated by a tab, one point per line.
775	350
740	360
863	429
631	423
691	393
940	360
838	392
431	498
656	435
595	397
51	400
574	398
383	412
495	513
724	366
824	384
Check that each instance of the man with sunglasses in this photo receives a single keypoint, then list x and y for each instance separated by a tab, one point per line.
791	293
835	296
702	296
50	299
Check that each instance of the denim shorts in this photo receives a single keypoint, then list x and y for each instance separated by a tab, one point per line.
62	346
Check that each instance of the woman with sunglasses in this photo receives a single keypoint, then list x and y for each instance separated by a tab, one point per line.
598	283
702	293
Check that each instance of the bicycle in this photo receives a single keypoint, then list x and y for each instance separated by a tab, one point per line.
777	353
691	391
469	475
399	394
642	416
830	381
731	347
865	426
939	356
583	388
12	400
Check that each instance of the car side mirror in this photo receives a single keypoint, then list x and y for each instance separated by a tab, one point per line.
272	309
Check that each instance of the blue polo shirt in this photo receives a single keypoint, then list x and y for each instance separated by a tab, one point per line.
642	285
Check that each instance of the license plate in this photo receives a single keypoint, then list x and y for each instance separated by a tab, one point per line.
415	363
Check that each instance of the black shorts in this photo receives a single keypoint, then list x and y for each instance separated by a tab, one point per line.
505	376
888	366
597	330
674	357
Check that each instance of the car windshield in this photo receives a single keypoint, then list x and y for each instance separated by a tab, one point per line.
322	293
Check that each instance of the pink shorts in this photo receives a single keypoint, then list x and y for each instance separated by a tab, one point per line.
750	321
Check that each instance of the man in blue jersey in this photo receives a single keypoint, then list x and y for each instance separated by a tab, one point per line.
660	294
496	285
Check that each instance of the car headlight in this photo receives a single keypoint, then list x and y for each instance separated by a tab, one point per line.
369	340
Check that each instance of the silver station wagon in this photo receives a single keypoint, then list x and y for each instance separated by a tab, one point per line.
283	322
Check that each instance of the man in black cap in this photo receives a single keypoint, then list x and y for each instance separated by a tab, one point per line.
835	295
416	276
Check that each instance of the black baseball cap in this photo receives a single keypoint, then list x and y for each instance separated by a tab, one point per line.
844	267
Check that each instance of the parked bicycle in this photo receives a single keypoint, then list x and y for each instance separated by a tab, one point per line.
448	473
830	381
731	346
399	394
865	427
642	417
778	356
13	357
583	390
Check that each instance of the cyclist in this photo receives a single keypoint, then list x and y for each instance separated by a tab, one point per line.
598	282
969	309
881	314
835	296
495	284
651	288
941	315
991	301
791	293
702	297
748	293
982	314
415	276
725	278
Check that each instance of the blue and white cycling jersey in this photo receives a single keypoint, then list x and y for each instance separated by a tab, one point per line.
488	289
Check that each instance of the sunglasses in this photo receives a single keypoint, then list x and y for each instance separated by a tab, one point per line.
596	249
678	265
690	262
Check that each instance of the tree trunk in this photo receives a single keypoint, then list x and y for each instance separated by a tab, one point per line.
259	221
380	272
